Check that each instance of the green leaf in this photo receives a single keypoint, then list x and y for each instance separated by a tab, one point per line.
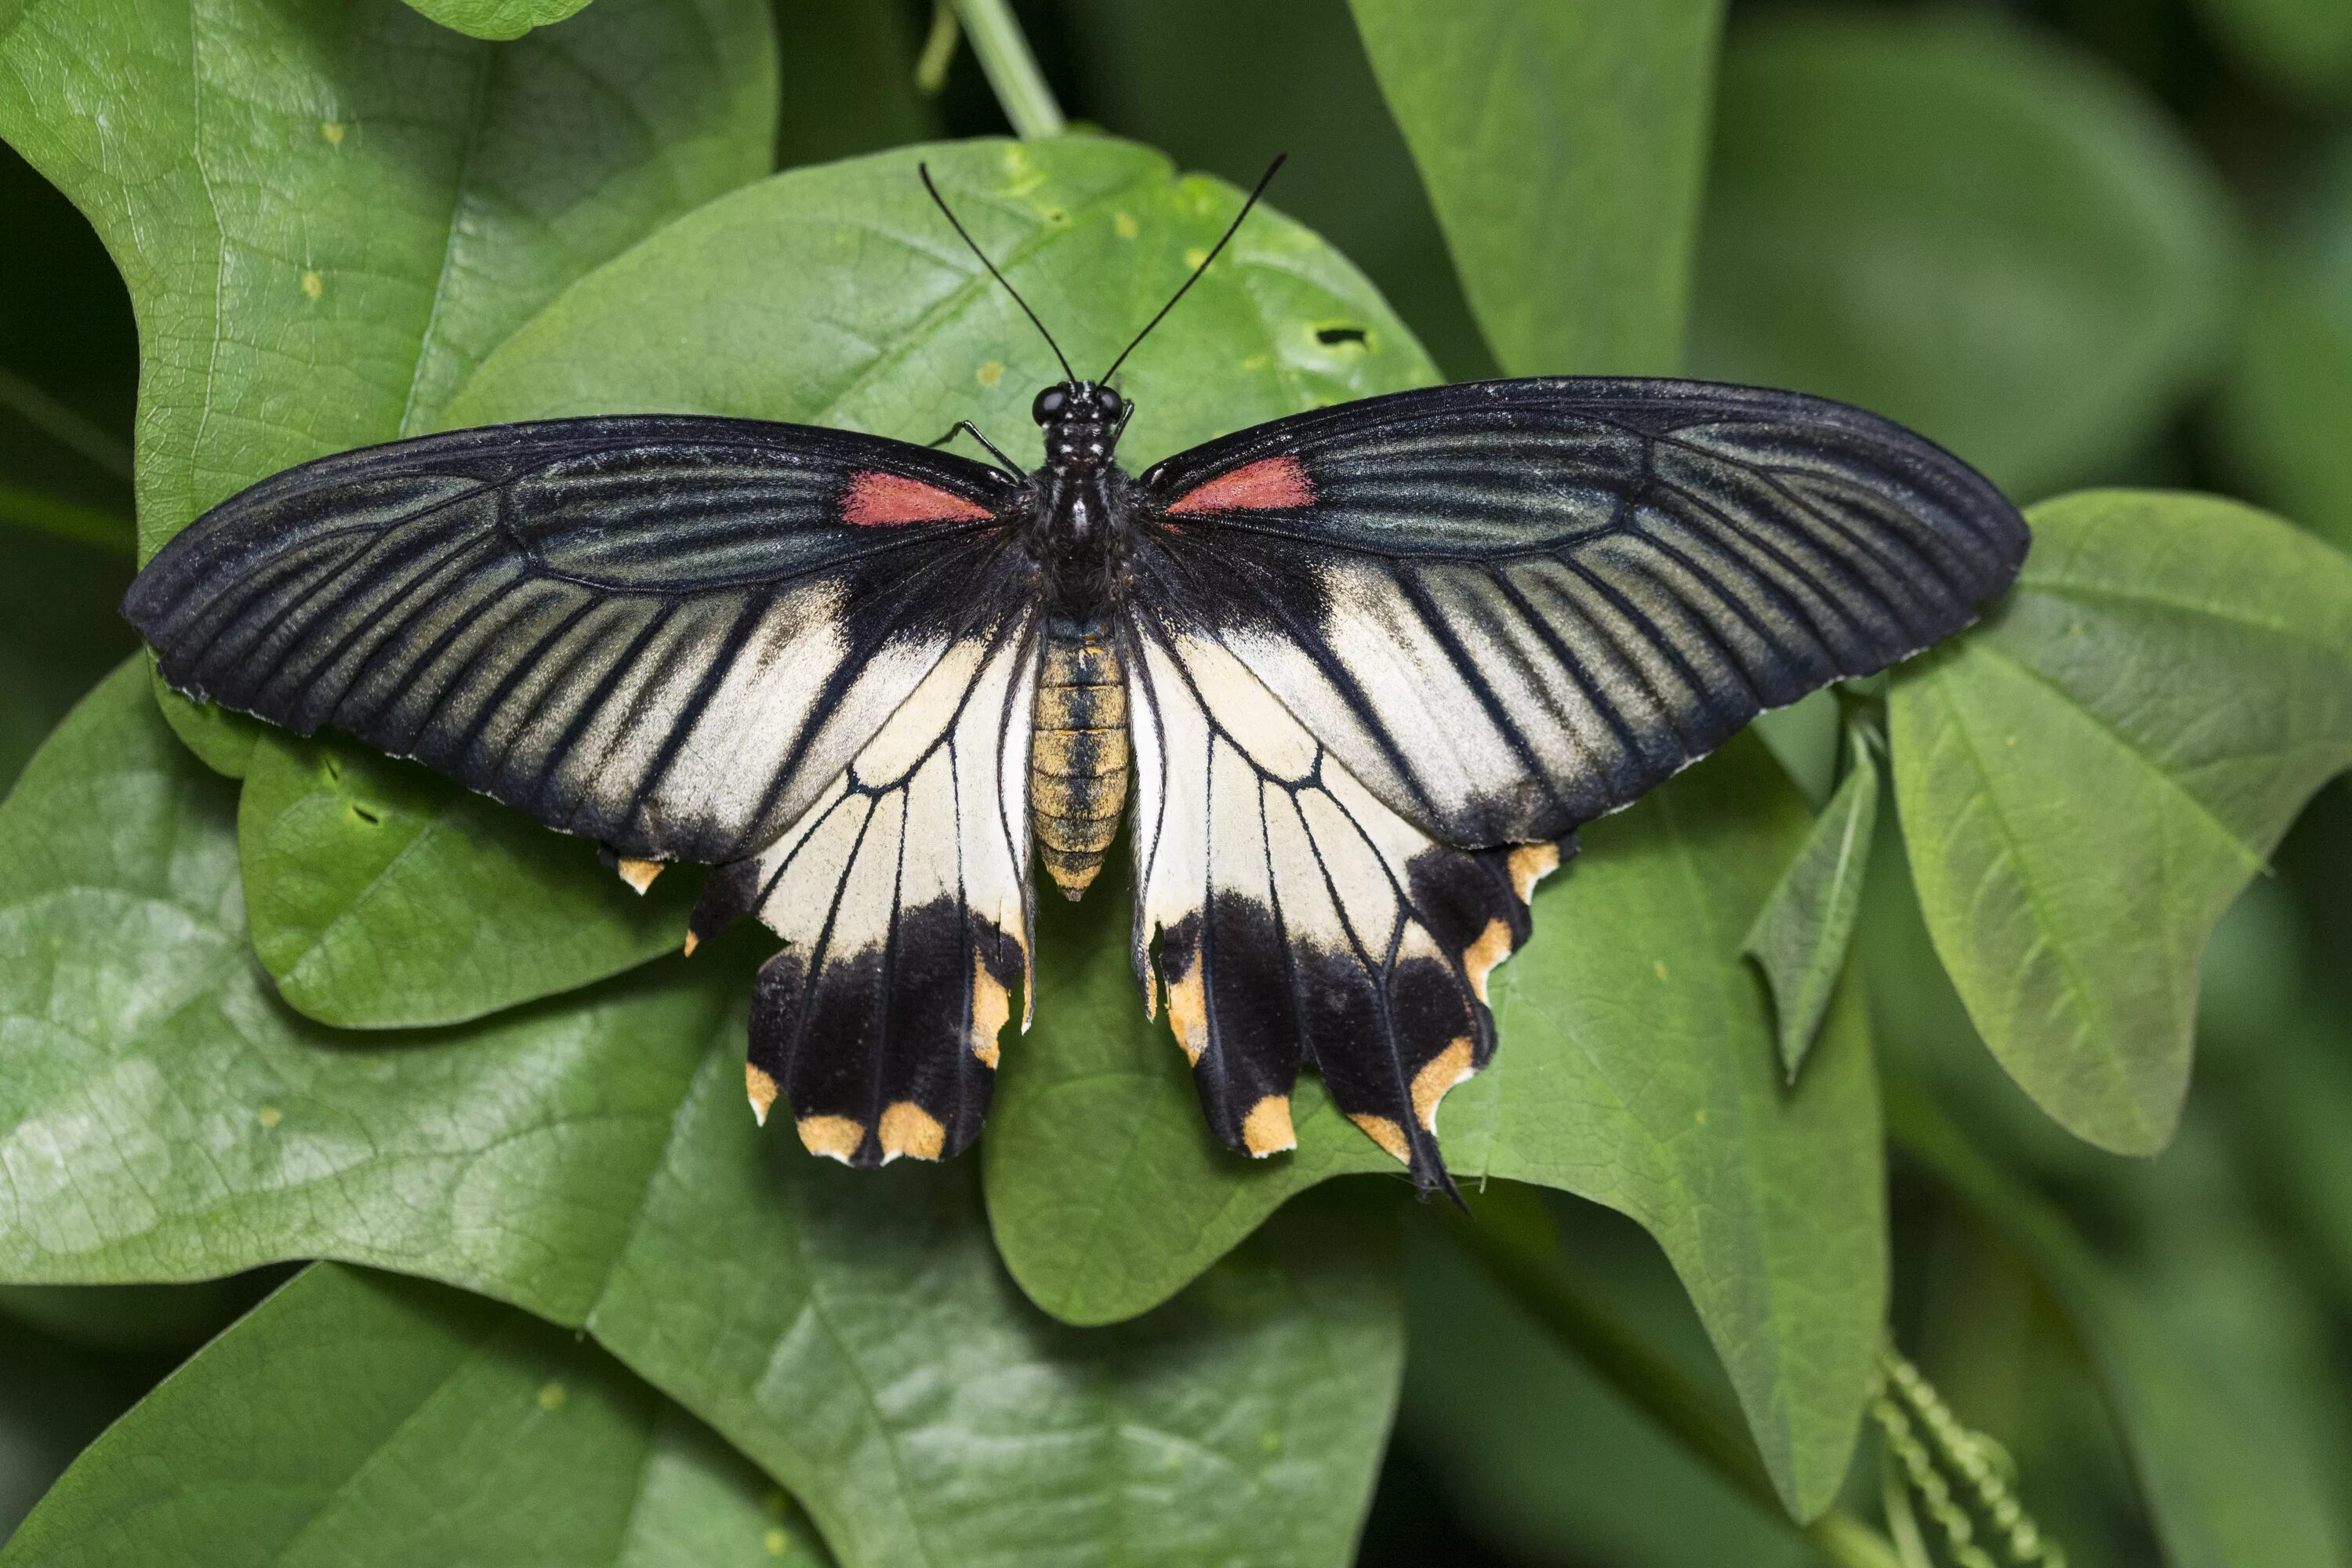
2222	1484
2288	400
380	897
1562	146
1965	226
357	1418
2088	780
2303	44
1636	1068
328	213
163	1115
1540	1453
496	18
891	326
1801	934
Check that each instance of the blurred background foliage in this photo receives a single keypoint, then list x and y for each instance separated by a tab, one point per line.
2079	241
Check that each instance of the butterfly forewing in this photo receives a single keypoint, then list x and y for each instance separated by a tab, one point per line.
666	634
1512	606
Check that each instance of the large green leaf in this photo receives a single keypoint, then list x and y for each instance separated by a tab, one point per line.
1636	1068
379	896
1562	145
1536	1452
1961	223
2086	782
2223	1483
2287	401
837	295
357	1419
163	1115
328	213
496	18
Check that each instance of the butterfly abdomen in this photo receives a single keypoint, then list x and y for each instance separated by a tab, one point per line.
1078	758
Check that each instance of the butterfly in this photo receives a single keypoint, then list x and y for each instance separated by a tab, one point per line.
1352	679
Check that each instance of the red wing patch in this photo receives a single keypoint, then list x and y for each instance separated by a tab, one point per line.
877	500
1267	485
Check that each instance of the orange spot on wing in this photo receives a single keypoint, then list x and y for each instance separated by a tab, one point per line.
1266	485
877	500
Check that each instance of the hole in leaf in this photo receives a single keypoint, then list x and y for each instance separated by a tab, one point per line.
1330	335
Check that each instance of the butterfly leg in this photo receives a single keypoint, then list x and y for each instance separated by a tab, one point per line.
966	427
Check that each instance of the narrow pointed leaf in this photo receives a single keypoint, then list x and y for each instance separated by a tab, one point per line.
1801	934
1563	146
357	1418
2087	780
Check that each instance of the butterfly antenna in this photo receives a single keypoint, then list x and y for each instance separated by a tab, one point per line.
925	169
1263	181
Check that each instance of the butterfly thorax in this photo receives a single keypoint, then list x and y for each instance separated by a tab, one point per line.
1078	751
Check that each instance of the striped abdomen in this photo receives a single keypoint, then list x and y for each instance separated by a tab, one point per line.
1079	751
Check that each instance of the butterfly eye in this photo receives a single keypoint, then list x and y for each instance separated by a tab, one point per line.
1109	402
1049	405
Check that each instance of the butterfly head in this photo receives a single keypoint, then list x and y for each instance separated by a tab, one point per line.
1082	421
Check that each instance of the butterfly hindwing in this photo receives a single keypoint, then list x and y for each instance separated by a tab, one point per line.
903	898
1299	920
1513	606
664	632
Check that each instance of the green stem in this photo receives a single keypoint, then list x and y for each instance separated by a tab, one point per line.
64	424
938	50
65	520
1012	70
1524	1262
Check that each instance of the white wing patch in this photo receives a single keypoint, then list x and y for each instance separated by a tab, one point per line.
902	894
1299	919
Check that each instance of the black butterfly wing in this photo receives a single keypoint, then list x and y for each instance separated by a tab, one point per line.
1379	645
1513	606
1300	920
666	634
806	656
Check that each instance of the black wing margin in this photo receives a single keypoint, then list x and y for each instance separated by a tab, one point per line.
1512	606
665	633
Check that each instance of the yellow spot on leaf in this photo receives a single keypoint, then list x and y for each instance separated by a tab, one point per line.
1123	225
552	1395
269	1116
776	1541
1699	1116
332	129
1660	968
1193	256
991	373
1258	362
314	285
